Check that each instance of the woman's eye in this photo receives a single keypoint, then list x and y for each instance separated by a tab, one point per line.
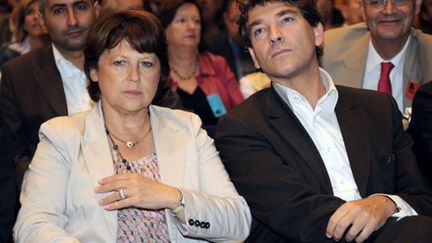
181	20
119	63
147	64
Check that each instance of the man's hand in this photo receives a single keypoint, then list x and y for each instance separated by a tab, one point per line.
360	218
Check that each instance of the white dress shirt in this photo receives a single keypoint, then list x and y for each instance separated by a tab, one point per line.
323	127
74	84
373	71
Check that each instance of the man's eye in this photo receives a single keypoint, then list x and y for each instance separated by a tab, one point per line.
287	19
58	11
258	31
376	2
81	6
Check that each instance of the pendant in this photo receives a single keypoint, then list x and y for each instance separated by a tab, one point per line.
130	144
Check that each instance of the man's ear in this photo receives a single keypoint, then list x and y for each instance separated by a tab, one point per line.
252	53
319	34
417	6
96	7
41	20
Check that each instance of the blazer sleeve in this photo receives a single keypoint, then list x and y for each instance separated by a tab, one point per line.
421	129
12	119
43	198
217	212
282	199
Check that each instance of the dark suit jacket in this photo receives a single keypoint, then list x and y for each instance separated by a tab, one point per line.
7	186
421	129
218	43
275	165
32	93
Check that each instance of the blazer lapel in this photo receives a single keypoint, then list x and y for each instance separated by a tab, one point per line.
98	158
354	129
168	142
292	131
355	59
50	82
412	69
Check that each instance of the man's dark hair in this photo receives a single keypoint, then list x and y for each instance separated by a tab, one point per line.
307	8
141	29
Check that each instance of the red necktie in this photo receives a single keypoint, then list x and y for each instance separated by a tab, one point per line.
384	84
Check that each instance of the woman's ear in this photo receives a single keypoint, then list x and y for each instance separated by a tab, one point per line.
93	75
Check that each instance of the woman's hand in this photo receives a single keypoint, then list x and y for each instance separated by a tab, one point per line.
141	192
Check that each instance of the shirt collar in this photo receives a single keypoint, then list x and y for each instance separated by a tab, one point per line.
65	67
327	102
374	60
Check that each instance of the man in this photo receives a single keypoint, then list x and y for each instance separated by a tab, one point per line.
315	162
228	42
421	129
353	55
50	81
351	12
7	186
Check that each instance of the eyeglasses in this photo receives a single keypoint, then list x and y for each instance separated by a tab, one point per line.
382	3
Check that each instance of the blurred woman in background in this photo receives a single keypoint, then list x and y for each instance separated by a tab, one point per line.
29	34
204	81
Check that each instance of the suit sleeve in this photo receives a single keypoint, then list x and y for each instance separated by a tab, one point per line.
42	215
22	154
281	199
217	204
8	186
421	129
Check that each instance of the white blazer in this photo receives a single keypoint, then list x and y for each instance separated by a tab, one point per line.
58	199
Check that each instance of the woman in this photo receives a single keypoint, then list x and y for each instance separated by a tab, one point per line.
128	171
204	81
29	35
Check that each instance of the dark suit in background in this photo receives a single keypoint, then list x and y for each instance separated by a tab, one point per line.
421	129
219	43
8	189
32	93
275	165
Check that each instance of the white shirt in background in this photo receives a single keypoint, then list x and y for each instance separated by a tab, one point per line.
74	84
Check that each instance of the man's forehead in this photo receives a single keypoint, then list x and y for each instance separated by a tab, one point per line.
270	9
65	2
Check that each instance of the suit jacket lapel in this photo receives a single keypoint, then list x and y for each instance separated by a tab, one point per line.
354	128
50	82
412	69
98	158
355	59
291	130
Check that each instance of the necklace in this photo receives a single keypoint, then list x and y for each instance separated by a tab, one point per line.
129	144
187	76
116	149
